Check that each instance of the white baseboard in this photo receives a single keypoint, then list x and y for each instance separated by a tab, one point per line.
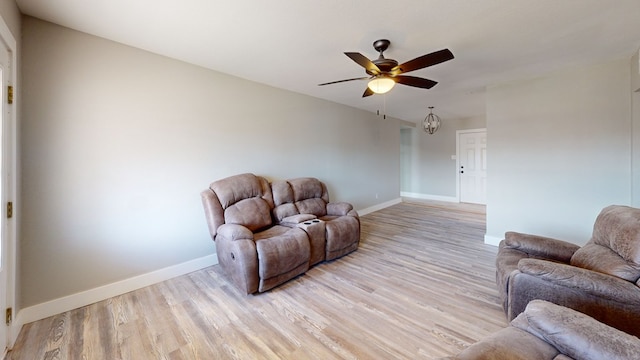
379	206
67	303
429	197
492	240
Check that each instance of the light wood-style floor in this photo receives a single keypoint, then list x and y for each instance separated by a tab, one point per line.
421	286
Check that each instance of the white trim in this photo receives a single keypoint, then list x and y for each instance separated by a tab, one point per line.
492	240
429	197
371	209
67	303
7	37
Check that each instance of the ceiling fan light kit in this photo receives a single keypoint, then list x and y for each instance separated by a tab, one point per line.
384	73
431	123
381	84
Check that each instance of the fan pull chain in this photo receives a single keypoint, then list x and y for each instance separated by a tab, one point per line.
384	106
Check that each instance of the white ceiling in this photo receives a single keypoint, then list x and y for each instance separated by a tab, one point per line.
297	44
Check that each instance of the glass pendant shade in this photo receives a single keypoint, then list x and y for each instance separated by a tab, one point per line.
381	85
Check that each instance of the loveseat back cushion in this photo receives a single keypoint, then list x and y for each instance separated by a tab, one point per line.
315	206
282	192
283	200
253	213
310	196
604	260
618	228
246	199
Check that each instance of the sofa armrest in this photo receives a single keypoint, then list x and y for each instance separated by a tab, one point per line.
237	254
540	246
576	334
613	301
589	282
339	208
234	232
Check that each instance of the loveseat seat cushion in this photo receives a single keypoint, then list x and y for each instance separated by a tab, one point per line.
283	253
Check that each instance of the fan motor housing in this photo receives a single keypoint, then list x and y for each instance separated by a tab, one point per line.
385	65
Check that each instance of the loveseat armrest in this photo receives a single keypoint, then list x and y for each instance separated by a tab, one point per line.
234	232
339	208
611	300
587	281
540	246
576	334
237	254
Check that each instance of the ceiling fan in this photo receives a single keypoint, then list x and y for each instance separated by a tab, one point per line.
385	73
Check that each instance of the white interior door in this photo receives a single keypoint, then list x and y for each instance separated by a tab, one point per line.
472	152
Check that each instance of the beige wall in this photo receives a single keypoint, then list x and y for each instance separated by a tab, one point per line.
11	16
117	143
559	150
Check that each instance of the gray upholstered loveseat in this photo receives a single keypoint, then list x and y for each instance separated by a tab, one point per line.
545	331
600	279
268	233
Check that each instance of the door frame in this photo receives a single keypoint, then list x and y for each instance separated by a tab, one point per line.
8	173
458	133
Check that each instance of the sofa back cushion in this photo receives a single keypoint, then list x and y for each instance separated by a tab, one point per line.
246	200
310	196
618	228
283	200
614	248
604	260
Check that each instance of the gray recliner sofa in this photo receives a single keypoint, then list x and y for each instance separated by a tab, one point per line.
600	279
262	242
545	331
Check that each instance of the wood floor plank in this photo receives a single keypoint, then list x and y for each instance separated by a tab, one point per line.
421	286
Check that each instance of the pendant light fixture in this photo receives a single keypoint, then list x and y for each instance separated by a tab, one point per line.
431	123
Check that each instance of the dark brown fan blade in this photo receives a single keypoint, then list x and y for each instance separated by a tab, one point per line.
364	62
339	81
415	81
423	61
367	92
